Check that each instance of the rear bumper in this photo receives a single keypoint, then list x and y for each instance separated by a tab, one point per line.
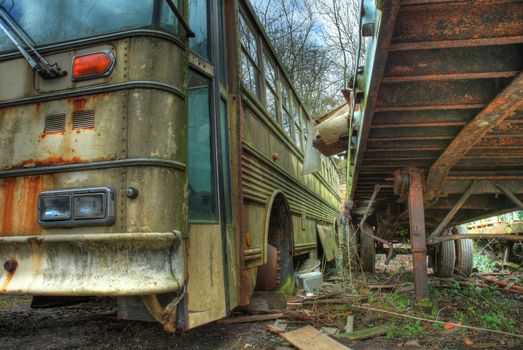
116	264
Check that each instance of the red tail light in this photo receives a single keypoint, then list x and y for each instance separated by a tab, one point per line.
94	65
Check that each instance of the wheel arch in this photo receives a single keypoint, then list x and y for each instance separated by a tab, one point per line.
275	198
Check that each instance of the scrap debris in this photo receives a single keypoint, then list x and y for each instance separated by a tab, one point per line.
309	338
367	333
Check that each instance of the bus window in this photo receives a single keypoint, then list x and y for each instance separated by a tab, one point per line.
249	57
198	10
202	202
297	126
270	87
57	21
168	20
287	108
305	125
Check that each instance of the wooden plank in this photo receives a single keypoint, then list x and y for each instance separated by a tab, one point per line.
309	338
500	108
367	333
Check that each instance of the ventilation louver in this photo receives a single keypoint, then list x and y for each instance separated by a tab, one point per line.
54	123
83	119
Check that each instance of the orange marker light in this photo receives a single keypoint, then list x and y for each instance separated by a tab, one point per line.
94	65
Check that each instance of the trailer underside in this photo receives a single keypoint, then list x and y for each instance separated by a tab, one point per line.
440	137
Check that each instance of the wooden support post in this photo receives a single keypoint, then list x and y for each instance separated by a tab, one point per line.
417	234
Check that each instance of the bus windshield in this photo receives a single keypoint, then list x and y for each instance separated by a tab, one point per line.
54	21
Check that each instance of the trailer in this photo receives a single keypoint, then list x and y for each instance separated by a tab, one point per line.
436	130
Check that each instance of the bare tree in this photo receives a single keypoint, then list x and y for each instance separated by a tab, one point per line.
292	26
340	32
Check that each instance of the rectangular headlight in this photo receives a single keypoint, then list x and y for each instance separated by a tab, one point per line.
53	208
89	206
77	207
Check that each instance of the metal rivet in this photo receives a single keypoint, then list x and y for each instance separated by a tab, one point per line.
131	192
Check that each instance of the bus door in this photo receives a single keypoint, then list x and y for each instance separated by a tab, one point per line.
209	190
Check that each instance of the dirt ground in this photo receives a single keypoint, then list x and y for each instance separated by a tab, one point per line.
93	324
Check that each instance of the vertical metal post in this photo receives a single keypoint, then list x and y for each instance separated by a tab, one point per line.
417	234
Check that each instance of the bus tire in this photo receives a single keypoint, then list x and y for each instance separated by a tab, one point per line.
367	249
445	258
464	253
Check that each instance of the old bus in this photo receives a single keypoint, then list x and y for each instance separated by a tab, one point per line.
152	151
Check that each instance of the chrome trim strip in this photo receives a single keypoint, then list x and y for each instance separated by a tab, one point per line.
136	84
129	162
101	39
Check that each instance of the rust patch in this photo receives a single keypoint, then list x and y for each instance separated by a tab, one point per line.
31	188
38	110
52	160
19	203
38	252
7	281
9	187
79	104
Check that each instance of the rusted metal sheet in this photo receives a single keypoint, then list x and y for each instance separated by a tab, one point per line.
93	264
328	241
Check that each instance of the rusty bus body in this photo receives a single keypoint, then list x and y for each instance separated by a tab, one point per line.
168	181
436	128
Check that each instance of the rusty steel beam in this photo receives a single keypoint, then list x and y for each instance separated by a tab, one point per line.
390	10
411	138
437	93
417	234
501	107
449	76
425	2
445	44
509	194
430	107
459	20
414	125
483	59
450	215
501	237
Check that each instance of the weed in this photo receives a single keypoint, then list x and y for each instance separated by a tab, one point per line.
413	329
492	320
398	301
460	316
497	320
484	264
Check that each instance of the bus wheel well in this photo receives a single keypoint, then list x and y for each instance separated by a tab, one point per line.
277	273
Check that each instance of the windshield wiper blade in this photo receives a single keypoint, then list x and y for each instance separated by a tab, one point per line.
40	64
179	16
